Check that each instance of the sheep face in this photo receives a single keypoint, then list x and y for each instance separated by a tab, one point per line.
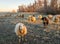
21	26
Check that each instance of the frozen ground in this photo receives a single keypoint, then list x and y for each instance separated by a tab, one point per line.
36	33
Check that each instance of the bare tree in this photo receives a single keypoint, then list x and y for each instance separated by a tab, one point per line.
45	6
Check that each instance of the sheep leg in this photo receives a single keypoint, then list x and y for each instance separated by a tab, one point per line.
45	24
19	39
22	40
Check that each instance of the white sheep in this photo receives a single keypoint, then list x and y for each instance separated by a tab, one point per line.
56	21
29	18
50	16
32	18
20	30
56	18
40	16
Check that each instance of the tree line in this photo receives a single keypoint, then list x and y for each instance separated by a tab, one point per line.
42	6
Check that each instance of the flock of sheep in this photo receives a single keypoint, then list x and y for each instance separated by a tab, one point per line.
50	18
21	29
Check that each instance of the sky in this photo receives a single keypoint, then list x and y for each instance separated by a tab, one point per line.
9	5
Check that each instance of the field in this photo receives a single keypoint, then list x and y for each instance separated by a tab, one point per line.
36	32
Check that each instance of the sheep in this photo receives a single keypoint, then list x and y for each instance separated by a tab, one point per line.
56	21
33	19
50	16
21	31
45	21
40	17
22	16
56	18
29	18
